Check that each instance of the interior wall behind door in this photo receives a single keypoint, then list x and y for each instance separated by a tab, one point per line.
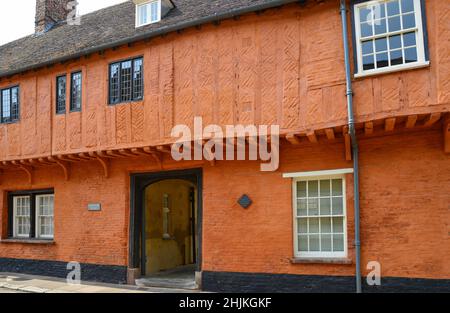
162	253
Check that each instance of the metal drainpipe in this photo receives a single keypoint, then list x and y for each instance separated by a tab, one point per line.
355	148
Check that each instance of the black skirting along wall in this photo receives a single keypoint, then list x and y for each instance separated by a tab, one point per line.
276	283
89	272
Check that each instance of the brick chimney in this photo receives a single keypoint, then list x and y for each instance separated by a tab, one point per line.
50	12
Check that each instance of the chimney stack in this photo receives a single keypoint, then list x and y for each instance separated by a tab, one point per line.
50	12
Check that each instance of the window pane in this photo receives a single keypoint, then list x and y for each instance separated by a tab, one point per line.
337	187
338	225
302	207
395	42
125	81
326	243
365	14
325	188
407	6
14	103
367	47
154	11
301	189
382	60
325	206
314	243
338	243
338	206
314	226
366	29
303	243
61	94
393	7
303	225
313	207
114	83
394	24
143	17
313	188
368	63
137	79
325	225
410	55
75	103
381	44
6	105
409	21
380	26
409	39
396	57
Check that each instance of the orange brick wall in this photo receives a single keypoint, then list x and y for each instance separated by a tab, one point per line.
284	66
405	199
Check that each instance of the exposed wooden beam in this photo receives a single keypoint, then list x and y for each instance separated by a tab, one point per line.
105	166
330	134
293	139
65	166
312	137
163	149
411	121
368	128
390	124
432	119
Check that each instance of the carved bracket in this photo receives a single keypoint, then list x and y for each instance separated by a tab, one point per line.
348	143
105	165
63	165
447	134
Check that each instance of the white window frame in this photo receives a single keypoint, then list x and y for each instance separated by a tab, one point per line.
139	5
15	225
321	175
38	224
421	60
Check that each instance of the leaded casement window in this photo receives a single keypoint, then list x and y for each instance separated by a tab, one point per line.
75	91
31	215
126	81
61	85
320	217
389	36
10	105
148	12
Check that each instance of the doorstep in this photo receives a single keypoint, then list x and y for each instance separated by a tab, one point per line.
39	284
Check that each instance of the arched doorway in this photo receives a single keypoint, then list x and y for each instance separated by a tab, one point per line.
165	228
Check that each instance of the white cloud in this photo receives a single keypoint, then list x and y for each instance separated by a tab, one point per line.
17	17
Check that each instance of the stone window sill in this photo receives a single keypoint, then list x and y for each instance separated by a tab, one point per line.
322	261
29	241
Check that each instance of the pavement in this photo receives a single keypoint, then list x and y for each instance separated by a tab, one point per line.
20	283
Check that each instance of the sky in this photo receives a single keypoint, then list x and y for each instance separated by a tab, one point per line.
17	16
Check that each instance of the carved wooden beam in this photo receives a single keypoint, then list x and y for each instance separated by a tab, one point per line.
293	139
432	119
390	124
368	128
330	134
105	165
348	143
157	156
411	121
63	165
312	137
27	169
164	149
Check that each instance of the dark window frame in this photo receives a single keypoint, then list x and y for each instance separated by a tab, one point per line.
119	83
72	109
32	194
354	39
58	107
12	119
